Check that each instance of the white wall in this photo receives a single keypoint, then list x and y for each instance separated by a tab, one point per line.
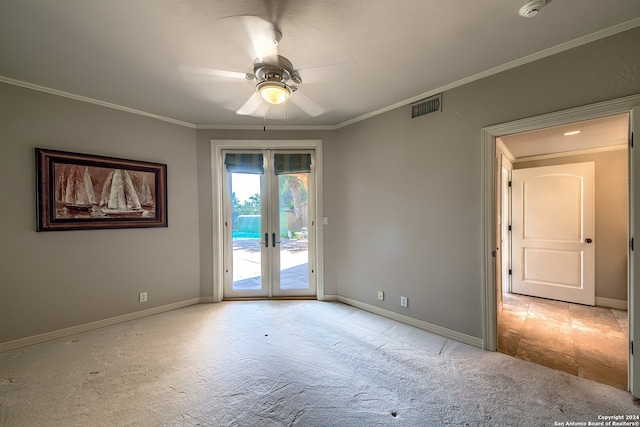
54	280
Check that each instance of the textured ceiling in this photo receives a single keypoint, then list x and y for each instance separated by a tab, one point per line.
356	57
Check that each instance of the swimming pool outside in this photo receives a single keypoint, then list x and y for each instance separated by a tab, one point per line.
244	235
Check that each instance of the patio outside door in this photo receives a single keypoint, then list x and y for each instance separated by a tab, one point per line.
268	224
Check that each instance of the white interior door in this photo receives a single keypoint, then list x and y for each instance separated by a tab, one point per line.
269	226
553	232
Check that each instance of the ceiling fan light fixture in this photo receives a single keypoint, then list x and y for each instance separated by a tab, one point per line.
274	92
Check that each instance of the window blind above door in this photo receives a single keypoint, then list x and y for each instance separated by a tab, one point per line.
244	163
291	163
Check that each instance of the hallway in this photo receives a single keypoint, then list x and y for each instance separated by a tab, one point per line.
589	342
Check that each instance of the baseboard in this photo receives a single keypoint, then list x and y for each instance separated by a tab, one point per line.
48	336
611	303
438	330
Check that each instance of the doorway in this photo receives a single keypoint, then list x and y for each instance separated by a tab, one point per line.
554	231
269	239
490	136
273	196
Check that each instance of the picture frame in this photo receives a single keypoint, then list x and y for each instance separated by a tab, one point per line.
82	191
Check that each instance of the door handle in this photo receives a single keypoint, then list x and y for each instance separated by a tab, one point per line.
588	240
273	235
266	240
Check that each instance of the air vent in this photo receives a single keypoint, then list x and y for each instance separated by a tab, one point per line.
426	106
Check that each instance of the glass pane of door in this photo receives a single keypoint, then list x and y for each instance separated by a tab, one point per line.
293	224
268	223
246	231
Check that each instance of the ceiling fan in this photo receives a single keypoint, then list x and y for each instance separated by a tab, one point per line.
276	79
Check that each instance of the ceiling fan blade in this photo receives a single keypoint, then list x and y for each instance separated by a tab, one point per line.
306	104
328	73
264	36
189	72
252	105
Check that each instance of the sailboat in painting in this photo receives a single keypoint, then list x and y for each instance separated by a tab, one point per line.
119	196
145	194
74	189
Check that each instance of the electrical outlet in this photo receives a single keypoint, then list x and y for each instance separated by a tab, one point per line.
404	302
143	296
381	295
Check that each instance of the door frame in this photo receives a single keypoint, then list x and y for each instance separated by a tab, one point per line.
270	222
505	212
217	171
488	196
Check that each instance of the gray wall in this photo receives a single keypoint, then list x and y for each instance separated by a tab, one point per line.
425	174
403	197
612	217
54	280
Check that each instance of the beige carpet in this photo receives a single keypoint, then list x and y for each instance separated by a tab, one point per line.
279	363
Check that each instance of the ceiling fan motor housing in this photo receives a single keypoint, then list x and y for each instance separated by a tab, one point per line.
281	71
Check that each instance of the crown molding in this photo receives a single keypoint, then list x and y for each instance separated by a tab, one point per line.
632	23
81	98
585	151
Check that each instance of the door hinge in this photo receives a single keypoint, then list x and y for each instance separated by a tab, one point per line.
631	244
631	347
509	272
631	140
509	183
509	228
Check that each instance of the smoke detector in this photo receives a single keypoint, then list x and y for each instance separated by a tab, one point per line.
531	9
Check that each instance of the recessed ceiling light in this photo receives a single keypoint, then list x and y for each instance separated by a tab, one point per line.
573	132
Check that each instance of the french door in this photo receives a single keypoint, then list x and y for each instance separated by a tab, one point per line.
268	198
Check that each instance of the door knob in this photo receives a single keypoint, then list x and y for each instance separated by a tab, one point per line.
588	240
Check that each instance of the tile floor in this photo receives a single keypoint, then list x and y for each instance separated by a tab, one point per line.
590	342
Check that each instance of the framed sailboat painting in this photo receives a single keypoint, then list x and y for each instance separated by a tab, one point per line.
81	191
